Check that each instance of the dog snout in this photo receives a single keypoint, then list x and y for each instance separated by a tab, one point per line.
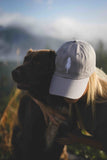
16	74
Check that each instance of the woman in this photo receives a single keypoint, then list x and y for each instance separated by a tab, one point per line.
77	81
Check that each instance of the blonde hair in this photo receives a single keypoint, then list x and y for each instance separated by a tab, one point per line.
97	87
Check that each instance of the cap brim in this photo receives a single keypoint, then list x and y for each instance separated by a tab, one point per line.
69	88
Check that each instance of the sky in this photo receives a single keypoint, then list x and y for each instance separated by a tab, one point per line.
61	19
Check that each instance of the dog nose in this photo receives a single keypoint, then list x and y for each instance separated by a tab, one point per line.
16	74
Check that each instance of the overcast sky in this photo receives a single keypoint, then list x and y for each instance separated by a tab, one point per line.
62	19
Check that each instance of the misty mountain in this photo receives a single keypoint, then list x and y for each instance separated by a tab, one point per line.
15	42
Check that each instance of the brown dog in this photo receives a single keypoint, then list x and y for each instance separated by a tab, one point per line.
32	138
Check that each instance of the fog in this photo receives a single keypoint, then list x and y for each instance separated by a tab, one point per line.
32	33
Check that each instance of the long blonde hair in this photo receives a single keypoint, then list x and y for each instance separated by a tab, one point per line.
97	87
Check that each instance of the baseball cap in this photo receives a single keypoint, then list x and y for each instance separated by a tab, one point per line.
75	62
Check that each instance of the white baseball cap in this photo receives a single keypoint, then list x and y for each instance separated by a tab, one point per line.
75	62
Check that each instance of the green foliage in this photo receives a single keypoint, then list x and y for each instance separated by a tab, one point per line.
101	54
87	152
9	118
6	83
5	156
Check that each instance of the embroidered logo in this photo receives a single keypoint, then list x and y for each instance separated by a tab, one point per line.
68	64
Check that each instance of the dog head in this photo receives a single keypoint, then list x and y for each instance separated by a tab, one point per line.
36	71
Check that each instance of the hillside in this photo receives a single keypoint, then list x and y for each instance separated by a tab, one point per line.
17	40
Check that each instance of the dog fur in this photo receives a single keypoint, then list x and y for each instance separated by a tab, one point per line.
32	138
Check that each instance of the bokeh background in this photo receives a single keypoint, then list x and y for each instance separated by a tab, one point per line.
40	24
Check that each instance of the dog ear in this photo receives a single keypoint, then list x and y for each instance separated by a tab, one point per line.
29	52
52	56
52	52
